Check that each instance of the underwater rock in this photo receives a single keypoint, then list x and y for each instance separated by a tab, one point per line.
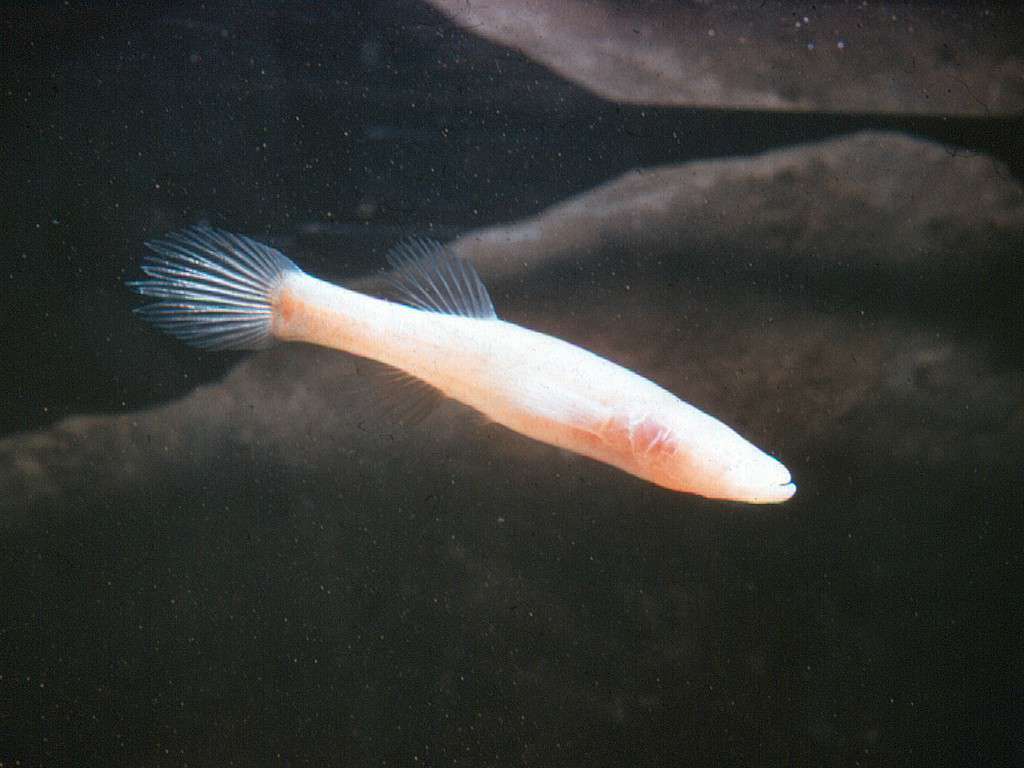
914	58
802	296
872	200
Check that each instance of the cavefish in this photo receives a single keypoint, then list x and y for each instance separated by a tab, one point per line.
218	290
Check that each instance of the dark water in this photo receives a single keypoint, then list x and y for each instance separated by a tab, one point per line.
260	608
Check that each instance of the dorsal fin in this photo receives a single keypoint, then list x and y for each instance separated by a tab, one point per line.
428	276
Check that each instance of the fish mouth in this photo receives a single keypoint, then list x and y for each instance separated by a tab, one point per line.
762	482
783	492
769	494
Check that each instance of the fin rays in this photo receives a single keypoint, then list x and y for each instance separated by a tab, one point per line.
213	288
428	276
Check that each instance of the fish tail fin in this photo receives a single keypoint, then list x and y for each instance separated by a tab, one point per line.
215	290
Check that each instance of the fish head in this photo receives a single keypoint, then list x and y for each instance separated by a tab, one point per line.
696	453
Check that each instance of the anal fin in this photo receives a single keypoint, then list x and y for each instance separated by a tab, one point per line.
403	399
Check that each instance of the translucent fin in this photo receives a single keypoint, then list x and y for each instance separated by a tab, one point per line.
215	288
413	400
403	398
428	276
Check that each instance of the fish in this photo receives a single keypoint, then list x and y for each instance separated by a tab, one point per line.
216	290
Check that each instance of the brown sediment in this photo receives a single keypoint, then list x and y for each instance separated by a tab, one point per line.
912	58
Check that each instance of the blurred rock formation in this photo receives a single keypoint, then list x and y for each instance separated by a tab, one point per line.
903	58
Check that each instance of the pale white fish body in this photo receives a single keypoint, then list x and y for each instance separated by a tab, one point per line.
533	383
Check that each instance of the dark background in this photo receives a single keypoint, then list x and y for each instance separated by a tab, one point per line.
332	131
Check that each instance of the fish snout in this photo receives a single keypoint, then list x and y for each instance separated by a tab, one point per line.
758	479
